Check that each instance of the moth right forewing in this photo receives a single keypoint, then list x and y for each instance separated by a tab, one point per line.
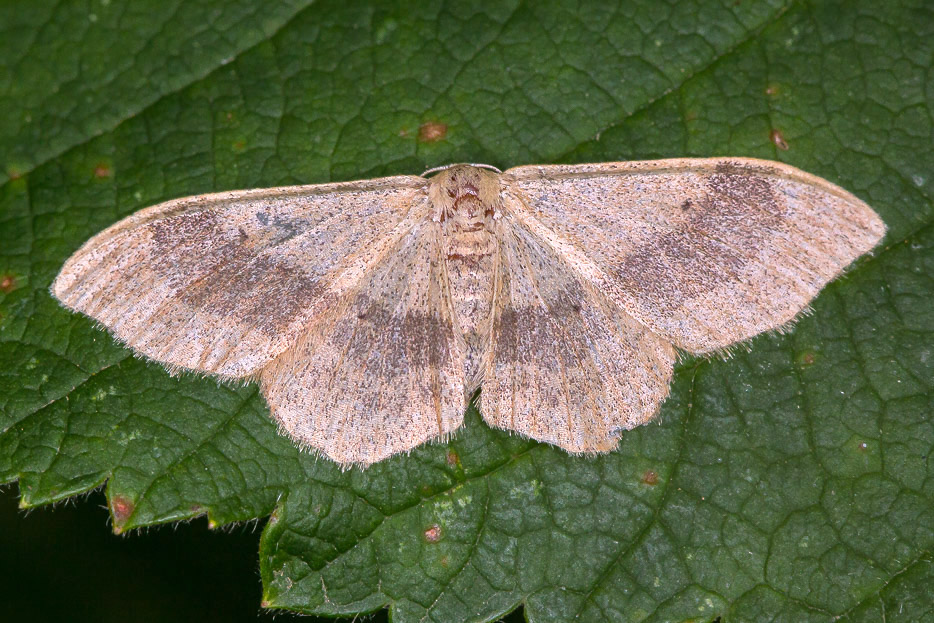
221	283
705	252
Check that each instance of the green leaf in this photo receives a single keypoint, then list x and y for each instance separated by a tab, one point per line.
792	482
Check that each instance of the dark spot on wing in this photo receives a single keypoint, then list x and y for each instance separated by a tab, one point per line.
728	167
534	333
738	211
560	323
287	229
263	218
393	342
216	270
256	289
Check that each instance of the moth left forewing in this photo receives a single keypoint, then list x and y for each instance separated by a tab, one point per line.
706	252
222	283
564	364
383	370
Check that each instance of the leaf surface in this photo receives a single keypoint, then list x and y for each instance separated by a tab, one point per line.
791	482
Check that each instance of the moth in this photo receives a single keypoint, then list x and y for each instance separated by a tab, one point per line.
371	311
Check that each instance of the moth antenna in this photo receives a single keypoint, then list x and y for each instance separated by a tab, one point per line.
445	167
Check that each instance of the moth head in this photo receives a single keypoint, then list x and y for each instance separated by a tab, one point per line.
466	195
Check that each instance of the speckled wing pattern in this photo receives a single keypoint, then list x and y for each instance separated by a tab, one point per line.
383	371
352	303
223	283
704	252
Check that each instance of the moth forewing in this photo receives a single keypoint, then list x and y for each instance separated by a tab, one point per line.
223	283
706	253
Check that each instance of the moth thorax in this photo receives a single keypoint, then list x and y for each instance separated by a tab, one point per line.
467	198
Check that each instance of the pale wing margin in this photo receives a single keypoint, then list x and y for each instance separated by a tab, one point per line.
707	252
381	371
564	365
223	283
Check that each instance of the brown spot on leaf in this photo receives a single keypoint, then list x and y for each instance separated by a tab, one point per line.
771	90
121	508
7	283
862	446
650	478
103	170
778	138
445	560
433	533
806	358
432	131
453	459
239	145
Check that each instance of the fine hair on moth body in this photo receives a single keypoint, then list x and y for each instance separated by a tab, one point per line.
371	311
